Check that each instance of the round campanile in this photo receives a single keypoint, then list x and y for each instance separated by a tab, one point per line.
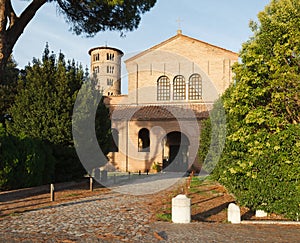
106	67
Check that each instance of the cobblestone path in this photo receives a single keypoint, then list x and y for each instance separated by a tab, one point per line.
111	217
114	217
226	233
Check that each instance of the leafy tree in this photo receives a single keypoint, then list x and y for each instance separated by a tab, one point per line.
212	138
91	126
261	162
205	140
103	127
87	17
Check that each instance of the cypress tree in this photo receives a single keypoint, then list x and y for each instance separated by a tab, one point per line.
46	95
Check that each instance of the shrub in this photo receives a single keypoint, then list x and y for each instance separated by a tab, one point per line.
157	166
265	176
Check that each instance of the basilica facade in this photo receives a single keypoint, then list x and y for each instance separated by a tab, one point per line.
171	89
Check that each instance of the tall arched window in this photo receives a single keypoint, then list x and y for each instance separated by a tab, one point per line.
114	140
144	140
163	88
195	87
179	88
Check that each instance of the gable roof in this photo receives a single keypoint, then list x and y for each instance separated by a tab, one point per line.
179	35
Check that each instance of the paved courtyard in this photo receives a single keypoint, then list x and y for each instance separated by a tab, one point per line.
116	217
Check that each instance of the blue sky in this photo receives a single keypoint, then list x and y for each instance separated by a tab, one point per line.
219	22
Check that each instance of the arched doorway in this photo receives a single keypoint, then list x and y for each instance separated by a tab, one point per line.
175	155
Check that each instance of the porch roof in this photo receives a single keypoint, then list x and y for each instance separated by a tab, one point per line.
160	112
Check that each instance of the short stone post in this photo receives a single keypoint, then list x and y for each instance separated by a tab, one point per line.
52	198
91	183
260	213
181	209
234	214
188	184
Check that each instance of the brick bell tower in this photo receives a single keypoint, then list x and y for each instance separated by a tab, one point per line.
106	67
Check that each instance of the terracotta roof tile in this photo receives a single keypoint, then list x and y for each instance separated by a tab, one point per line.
162	112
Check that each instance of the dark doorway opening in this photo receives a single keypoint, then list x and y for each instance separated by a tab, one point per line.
176	152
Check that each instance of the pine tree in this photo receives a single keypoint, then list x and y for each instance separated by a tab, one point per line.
84	17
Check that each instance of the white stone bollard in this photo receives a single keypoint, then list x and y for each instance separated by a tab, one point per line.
181	209
260	213
52	194
234	214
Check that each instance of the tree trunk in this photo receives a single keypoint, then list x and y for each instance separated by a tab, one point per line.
5	52
3	23
12	26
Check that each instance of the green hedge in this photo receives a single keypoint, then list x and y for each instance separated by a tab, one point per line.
24	162
68	166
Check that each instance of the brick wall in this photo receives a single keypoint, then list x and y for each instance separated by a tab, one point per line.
180	55
135	160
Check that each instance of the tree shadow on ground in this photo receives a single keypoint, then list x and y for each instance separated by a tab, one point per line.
204	200
248	215
32	199
203	216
